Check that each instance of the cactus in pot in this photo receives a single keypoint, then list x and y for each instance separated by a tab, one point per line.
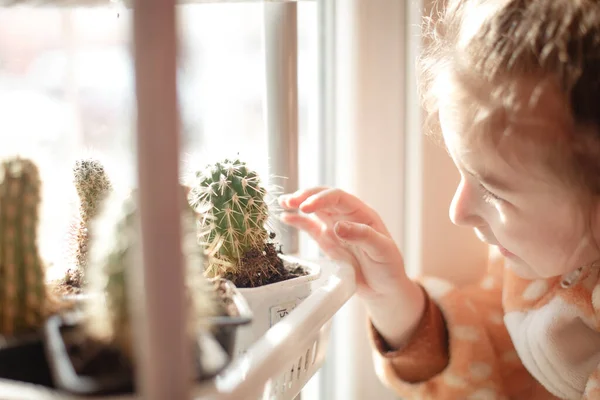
93	186
91	351
24	299
113	251
234	216
110	254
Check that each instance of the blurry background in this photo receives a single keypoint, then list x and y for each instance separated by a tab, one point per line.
66	91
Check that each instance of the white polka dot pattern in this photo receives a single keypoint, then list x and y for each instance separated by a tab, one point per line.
535	290
480	370
483	362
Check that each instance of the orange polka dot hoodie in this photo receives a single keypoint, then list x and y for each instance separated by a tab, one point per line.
504	338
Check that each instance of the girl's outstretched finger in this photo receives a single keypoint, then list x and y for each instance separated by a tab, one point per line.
303	222
340	202
378	247
329	198
316	230
293	200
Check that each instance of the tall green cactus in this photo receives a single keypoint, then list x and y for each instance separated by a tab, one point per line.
22	278
231	201
93	186
112	252
110	255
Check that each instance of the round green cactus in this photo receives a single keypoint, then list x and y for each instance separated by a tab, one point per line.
23	293
93	186
231	201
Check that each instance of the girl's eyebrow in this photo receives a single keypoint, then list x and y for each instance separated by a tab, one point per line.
490	180
486	178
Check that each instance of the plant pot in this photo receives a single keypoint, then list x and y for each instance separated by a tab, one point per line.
79	297
270	303
88	368
77	301
225	327
81	366
23	359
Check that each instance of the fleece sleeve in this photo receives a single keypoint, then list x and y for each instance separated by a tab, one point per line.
460	349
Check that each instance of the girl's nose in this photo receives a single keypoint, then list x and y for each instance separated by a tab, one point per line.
464	206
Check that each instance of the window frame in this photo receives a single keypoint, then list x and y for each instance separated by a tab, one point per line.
419	178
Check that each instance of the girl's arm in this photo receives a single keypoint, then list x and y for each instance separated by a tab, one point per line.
460	349
452	343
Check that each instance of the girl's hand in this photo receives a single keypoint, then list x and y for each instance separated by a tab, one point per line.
346	229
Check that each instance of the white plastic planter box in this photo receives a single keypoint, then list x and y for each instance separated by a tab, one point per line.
277	366
270	303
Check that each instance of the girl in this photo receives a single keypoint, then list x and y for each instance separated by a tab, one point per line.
515	87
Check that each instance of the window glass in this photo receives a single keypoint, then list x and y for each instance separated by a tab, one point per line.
67	92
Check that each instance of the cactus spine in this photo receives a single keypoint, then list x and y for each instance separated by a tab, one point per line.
93	186
231	201
22	277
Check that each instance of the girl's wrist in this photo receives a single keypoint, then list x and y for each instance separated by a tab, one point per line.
396	317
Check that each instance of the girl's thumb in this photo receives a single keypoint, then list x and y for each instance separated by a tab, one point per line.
376	245
346	230
353	232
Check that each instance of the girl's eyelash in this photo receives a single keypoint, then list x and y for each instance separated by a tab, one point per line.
488	196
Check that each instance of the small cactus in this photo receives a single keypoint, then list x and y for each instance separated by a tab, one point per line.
110	255
113	251
23	296
93	186
231	202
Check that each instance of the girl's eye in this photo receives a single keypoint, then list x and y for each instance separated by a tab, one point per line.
488	196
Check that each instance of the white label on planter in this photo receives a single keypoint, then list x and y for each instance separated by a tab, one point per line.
281	310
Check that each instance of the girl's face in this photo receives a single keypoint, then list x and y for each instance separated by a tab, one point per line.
537	223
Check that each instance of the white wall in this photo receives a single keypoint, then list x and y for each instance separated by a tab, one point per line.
369	104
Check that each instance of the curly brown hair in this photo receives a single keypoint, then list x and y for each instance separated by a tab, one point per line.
497	45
